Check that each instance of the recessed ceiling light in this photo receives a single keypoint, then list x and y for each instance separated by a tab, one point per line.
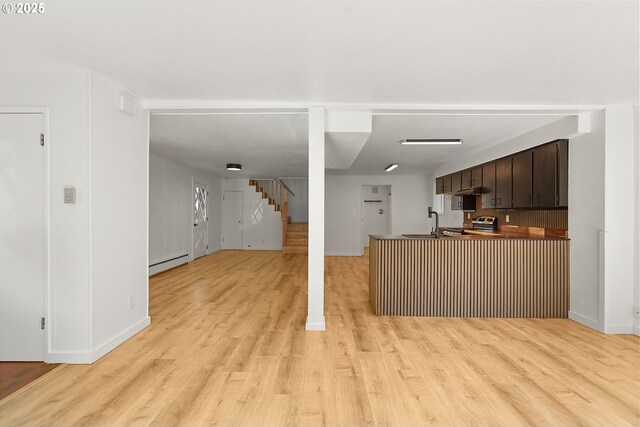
234	167
391	167
425	141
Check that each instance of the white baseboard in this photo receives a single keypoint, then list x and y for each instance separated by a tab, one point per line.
636	330
87	358
618	328
318	325
214	250
586	321
168	265
342	254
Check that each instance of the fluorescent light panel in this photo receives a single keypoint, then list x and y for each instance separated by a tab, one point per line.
425	141
391	167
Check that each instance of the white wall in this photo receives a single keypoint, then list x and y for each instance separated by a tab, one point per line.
66	96
619	219
586	221
261	224
119	219
411	195
636	295
171	212
88	275
298	209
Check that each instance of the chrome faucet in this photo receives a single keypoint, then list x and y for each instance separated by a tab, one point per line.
431	214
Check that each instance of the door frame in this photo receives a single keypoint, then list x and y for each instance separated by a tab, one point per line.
195	181
44	112
389	217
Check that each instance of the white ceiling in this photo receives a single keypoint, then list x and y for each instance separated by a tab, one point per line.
381	52
270	145
477	131
266	145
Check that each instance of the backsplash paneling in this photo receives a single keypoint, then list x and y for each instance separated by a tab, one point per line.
550	218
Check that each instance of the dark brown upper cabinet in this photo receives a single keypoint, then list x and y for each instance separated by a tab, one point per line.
503	183
446	185
456	182
550	175
476	177
440	185
466	179
522	179
489	186
536	178
456	203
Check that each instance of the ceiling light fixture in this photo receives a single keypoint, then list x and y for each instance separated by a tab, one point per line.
425	141
391	167
234	167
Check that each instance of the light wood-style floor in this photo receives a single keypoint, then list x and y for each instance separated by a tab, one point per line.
227	346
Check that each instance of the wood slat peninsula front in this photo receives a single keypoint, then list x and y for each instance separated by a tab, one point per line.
471	277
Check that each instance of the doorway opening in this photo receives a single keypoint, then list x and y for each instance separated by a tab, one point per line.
376	211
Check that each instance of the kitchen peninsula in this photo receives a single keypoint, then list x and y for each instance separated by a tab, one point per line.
510	257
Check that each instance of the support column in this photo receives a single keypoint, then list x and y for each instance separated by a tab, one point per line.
620	197
315	304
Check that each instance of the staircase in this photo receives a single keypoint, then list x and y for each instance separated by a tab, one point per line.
294	236
296	240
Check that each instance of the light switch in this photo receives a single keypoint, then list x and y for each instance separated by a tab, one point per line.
70	195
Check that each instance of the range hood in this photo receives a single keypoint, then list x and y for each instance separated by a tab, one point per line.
469	192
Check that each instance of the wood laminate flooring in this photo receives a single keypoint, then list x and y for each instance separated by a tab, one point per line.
227	346
15	375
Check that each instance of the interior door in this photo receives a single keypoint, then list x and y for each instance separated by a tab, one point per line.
232	206
376	220
22	237
200	220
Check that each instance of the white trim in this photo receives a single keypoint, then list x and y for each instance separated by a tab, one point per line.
257	107
214	250
44	111
618	328
343	254
586	321
167	266
636	330
89	357
315	326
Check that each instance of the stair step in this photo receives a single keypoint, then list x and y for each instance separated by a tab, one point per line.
295	249
297	233
289	242
298	227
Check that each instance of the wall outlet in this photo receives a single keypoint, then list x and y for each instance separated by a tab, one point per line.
132	303
506	218
468	216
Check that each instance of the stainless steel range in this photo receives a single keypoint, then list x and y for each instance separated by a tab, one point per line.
487	224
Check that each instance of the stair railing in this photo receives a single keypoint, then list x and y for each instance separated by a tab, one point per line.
277	193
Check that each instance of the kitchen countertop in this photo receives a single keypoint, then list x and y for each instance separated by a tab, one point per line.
477	235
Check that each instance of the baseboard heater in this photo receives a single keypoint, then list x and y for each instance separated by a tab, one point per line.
168	260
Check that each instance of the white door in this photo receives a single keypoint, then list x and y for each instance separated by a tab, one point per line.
232	220
376	221
22	237
200	220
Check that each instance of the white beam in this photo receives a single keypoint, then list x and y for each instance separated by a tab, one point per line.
315	307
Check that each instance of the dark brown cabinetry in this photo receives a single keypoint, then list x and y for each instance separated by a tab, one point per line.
503	183
466	179
446	184
476	177
456	203
522	175
440	185
489	186
536	178
544	176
